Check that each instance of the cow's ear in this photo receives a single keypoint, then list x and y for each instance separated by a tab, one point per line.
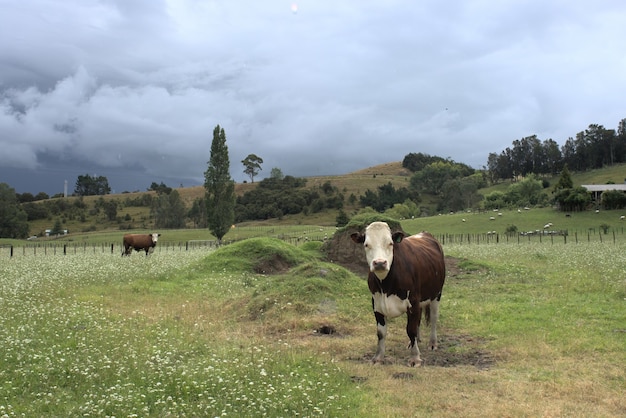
358	237
397	237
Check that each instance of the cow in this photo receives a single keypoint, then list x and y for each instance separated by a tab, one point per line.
406	275
139	242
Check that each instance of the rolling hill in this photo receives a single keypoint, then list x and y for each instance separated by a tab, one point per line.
355	183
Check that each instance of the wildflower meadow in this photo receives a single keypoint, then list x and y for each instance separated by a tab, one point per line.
67	351
525	329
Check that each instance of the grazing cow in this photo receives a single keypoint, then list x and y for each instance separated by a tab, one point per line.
406	274
139	242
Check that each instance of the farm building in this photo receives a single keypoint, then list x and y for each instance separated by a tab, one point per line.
597	189
63	232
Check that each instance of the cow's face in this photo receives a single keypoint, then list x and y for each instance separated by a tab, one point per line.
378	243
155	238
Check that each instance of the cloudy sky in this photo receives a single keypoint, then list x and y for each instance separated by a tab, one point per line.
132	89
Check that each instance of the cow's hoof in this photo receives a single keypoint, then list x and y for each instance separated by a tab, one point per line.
415	362
377	360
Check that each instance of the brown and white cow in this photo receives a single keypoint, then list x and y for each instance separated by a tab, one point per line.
406	274
139	242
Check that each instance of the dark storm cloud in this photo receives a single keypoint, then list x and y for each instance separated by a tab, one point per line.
135	88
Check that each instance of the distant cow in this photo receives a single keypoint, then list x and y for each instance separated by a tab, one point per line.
406	274
139	242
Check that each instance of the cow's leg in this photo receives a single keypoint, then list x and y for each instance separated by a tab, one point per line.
412	330
434	315
381	332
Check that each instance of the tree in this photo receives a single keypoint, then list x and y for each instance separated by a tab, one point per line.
160	188
197	213
25	197
92	186
460	193
574	199
342	219
276	173
528	191
432	177
110	209
220	188
613	199
57	229
277	197
417	161
13	219
252	164
168	211
41	196
565	180
386	197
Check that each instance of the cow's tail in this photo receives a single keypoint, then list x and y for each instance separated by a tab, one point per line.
427	314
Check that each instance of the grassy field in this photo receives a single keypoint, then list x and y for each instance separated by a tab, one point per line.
581	226
265	328
530	326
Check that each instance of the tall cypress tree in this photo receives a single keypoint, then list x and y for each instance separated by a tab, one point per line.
220	188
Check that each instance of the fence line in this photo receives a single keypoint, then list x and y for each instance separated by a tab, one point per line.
52	248
552	237
555	237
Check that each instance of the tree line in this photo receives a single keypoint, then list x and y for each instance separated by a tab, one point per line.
593	148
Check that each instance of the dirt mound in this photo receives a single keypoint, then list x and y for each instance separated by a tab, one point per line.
272	265
340	249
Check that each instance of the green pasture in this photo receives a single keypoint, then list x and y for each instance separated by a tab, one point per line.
580	223
262	327
525	220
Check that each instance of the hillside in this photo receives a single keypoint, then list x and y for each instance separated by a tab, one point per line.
355	183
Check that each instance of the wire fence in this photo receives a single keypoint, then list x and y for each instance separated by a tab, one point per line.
553	237
55	248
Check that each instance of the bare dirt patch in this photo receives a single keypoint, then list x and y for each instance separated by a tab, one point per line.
272	265
453	351
452	267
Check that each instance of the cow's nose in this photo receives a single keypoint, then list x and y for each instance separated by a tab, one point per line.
379	264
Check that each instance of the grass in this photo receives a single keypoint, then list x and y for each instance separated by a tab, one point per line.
555	315
148	337
525	330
